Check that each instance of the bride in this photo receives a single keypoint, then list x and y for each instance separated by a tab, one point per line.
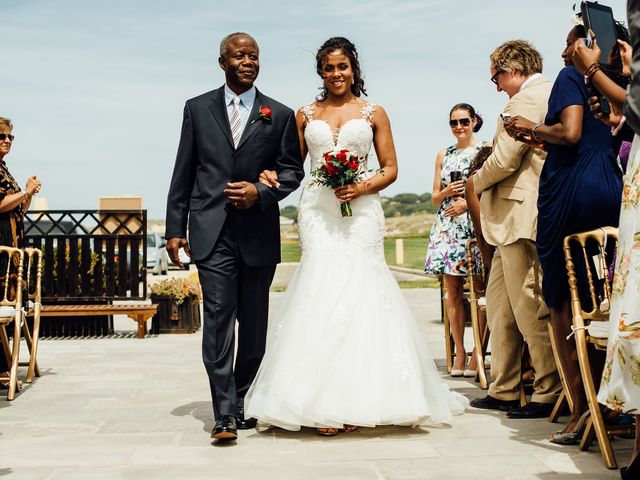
343	349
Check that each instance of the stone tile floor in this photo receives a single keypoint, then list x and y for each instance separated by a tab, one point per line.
123	408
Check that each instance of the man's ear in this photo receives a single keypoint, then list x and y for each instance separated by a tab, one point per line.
222	63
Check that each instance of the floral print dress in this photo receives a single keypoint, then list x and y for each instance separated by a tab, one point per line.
620	387
447	250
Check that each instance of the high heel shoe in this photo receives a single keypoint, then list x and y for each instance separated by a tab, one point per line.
574	437
469	373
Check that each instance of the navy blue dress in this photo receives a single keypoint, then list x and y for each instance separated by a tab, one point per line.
580	186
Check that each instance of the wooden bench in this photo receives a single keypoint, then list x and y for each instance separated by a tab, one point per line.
94	265
138	313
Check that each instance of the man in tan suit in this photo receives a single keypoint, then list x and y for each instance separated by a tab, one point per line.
508	184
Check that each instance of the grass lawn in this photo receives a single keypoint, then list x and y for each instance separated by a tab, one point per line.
414	254
415	249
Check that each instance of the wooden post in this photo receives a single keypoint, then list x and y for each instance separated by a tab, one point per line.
399	251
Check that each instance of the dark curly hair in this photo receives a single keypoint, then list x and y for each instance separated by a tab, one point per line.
349	49
472	113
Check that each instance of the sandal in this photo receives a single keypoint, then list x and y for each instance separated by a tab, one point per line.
350	428
327	431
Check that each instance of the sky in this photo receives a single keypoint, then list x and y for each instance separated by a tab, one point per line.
96	89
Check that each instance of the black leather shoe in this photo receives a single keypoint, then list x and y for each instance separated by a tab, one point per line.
225	428
491	403
532	410
245	423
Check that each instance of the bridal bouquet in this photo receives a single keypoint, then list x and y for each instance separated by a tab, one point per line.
340	168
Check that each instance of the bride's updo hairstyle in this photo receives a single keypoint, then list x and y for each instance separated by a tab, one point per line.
349	49
472	114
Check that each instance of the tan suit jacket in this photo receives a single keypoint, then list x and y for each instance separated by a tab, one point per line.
509	178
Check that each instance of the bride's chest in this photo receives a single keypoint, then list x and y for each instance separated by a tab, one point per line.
355	135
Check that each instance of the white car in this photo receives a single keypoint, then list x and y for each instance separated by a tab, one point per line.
157	256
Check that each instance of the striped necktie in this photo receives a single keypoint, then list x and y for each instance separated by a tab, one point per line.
234	121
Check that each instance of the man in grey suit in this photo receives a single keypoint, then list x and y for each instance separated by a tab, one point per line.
229	136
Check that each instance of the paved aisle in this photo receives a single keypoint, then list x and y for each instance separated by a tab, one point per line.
123	408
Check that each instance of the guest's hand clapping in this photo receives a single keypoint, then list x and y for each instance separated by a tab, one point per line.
33	185
458	207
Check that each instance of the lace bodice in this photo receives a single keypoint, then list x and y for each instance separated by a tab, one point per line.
356	135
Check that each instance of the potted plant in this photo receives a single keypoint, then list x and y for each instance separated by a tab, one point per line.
178	301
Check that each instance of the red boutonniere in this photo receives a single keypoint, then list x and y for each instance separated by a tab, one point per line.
263	114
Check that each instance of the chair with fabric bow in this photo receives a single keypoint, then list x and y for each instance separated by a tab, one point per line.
590	327
33	294
478	307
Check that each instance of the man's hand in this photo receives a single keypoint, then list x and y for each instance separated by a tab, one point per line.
173	247
458	207
269	178
242	194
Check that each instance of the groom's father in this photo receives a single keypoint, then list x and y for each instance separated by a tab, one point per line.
229	136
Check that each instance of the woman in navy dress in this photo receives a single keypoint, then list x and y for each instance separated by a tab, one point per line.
580	189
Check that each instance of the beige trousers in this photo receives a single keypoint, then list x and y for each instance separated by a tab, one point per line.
516	313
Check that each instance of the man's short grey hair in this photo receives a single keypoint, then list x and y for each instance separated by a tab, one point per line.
225	41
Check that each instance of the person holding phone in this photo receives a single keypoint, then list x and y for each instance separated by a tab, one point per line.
446	252
508	186
580	190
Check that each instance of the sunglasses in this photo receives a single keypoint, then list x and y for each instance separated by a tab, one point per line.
4	136
465	122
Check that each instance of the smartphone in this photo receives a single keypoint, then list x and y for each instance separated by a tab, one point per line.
599	19
456	175
506	117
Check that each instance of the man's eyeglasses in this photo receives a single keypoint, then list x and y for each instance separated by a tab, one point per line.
4	136
465	122
494	79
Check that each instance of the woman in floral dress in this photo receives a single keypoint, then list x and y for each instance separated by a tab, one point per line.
620	387
446	253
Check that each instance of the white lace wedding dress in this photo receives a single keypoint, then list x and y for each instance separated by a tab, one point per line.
343	346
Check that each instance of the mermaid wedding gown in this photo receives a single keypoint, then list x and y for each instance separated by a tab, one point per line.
343	346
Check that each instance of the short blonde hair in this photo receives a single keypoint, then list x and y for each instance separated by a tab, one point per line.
5	122
517	55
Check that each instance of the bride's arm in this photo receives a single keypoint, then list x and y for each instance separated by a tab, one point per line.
270	177
301	123
386	153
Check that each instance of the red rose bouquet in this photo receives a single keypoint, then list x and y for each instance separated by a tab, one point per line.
340	168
